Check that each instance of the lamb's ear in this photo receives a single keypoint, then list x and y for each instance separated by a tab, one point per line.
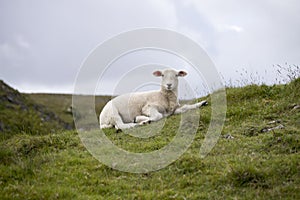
182	73
157	73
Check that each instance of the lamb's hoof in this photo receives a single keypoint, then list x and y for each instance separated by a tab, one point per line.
203	103
200	104
145	122
118	130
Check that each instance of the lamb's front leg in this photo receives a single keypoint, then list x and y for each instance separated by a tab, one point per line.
150	114
141	119
185	108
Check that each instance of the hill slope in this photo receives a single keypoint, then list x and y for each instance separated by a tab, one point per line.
257	157
19	114
61	104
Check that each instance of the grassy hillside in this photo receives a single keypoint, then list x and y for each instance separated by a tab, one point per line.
257	157
19	114
61	104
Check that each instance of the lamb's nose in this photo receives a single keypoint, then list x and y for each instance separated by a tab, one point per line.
169	84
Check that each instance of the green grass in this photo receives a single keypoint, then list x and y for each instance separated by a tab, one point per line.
252	165
58	103
61	103
19	114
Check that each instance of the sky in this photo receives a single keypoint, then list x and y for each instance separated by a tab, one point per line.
43	43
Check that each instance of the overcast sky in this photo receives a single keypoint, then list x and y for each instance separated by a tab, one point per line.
44	42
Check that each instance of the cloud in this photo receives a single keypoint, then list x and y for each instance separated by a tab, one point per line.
14	49
166	11
226	27
43	46
62	33
251	34
7	51
22	42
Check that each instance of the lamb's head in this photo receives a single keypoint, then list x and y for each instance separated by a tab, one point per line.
169	80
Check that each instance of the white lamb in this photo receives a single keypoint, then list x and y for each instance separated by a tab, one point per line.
130	110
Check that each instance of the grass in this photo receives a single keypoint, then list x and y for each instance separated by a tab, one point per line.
252	165
61	104
58	103
19	114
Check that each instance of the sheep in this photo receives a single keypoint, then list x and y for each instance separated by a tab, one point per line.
138	108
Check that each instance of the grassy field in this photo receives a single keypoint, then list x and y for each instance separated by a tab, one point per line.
61	104
251	160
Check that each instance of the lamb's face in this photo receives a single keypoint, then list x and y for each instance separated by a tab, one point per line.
169	78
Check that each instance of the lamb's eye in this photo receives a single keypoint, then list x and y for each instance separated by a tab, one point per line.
162	75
